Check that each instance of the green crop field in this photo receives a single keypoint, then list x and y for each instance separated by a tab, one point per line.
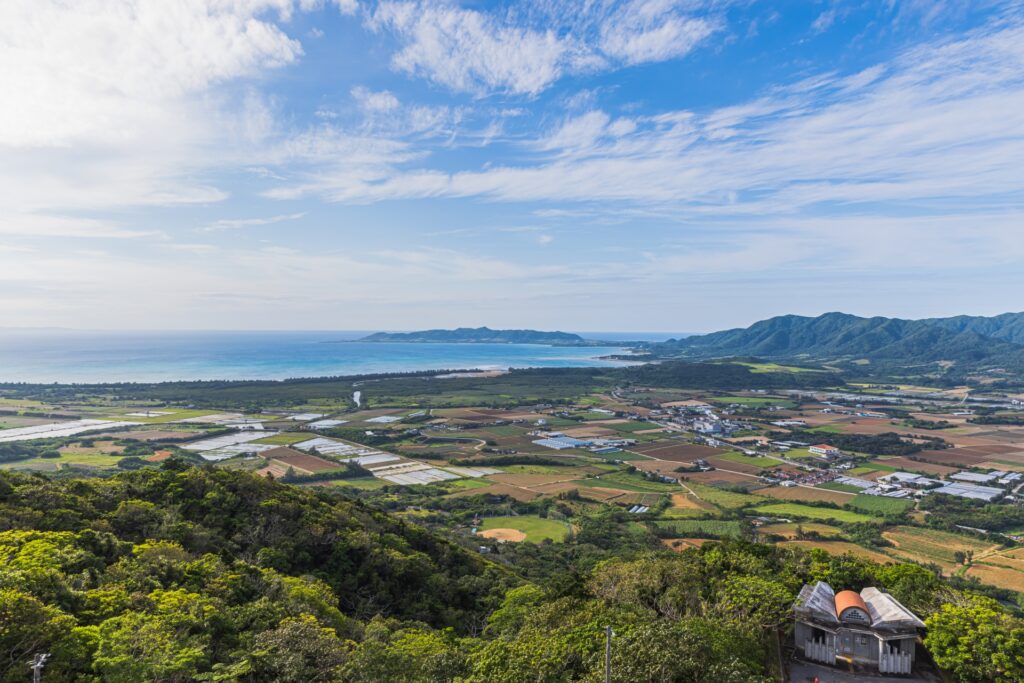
755	401
629	482
754	461
880	504
710	527
536	528
762	368
811	512
723	498
285	438
84	458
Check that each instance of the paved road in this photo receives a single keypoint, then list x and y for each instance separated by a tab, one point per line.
805	672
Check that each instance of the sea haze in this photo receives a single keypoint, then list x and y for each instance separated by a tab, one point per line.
46	356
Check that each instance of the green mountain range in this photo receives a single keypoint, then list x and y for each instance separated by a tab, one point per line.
478	335
964	341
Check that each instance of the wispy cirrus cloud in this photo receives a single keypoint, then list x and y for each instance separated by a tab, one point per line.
527	48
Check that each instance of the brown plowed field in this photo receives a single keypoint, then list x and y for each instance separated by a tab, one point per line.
675	451
303	462
916	466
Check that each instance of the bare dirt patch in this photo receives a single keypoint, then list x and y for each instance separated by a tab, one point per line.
514	535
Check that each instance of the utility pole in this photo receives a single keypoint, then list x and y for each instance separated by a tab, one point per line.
37	664
608	633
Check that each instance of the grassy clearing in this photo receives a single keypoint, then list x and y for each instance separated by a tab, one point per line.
536	528
752	460
710	527
812	512
881	505
85	458
826	429
366	483
722	498
285	438
762	368
463	484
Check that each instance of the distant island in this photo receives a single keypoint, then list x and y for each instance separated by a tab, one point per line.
480	335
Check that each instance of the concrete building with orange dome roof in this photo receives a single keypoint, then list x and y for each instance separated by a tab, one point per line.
870	628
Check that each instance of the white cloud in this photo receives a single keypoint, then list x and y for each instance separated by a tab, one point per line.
649	31
824	21
237	223
941	121
526	52
375	102
107	104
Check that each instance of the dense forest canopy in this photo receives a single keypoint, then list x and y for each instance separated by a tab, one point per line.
193	574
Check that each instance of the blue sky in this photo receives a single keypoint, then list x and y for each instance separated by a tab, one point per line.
670	165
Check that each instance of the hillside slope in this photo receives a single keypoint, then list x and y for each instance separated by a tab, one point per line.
841	336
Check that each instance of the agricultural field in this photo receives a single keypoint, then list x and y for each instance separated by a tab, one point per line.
880	504
811	512
717	528
753	461
529	528
790	529
721	497
676	450
838	486
805	494
932	545
286	438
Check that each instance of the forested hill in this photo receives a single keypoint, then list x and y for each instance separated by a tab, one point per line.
1008	326
185	574
479	335
843	336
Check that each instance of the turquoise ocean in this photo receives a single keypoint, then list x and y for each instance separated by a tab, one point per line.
91	357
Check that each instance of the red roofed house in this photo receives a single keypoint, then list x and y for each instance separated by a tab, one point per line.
823	449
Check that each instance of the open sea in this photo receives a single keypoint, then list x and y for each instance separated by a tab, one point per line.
45	356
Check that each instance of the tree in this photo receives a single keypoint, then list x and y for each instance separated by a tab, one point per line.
299	650
977	641
147	647
756	603
27	626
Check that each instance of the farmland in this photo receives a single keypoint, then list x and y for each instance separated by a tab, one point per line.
446	466
715	528
932	545
880	505
810	512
